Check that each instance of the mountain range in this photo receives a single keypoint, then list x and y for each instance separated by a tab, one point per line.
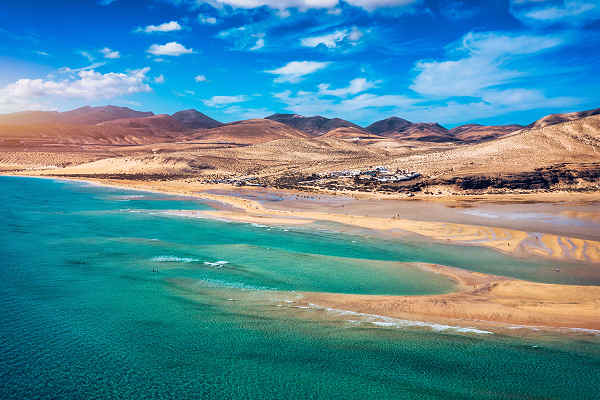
314	126
122	125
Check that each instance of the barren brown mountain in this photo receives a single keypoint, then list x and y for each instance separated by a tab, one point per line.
193	119
249	132
476	132
401	129
81	116
391	125
558	118
314	126
563	155
55	134
426	132
30	118
154	125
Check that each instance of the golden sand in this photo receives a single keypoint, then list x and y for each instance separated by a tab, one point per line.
520	243
511	241
481	299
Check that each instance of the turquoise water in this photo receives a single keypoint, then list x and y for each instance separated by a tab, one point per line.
105	294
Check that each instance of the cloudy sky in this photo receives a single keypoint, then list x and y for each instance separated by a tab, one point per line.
447	61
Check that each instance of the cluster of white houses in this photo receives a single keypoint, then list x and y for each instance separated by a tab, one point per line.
378	173
238	181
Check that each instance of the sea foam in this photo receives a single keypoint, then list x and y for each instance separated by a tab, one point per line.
388	322
217	264
174	259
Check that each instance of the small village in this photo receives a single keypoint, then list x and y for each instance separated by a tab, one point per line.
371	175
378	173
369	179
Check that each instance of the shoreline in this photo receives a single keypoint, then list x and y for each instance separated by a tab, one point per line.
481	300
509	241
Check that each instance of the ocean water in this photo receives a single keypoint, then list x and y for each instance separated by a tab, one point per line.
108	293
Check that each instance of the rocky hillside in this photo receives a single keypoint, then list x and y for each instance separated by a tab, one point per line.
314	126
81	116
193	119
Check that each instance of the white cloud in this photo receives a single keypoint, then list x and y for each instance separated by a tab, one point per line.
481	71
208	20
247	113
200	78
283	13
277	4
68	70
465	77
164	27
294	71
571	12
84	84
332	40
481	65
368	100
185	93
357	85
247	37
308	4
159	79
493	104
366	105
169	49
260	42
41	53
108	53
373	4
501	44
370	107
87	55
220	101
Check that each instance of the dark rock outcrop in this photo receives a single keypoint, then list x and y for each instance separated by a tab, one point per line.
193	119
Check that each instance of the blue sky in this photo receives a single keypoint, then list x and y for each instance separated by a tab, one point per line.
446	61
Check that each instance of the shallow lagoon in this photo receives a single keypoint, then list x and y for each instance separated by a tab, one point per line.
106	295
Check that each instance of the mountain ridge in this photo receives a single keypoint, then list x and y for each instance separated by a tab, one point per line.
86	115
140	123
194	119
314	126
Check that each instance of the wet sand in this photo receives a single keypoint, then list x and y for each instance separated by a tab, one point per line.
565	231
482	299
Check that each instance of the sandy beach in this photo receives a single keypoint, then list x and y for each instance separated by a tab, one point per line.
578	240
481	299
